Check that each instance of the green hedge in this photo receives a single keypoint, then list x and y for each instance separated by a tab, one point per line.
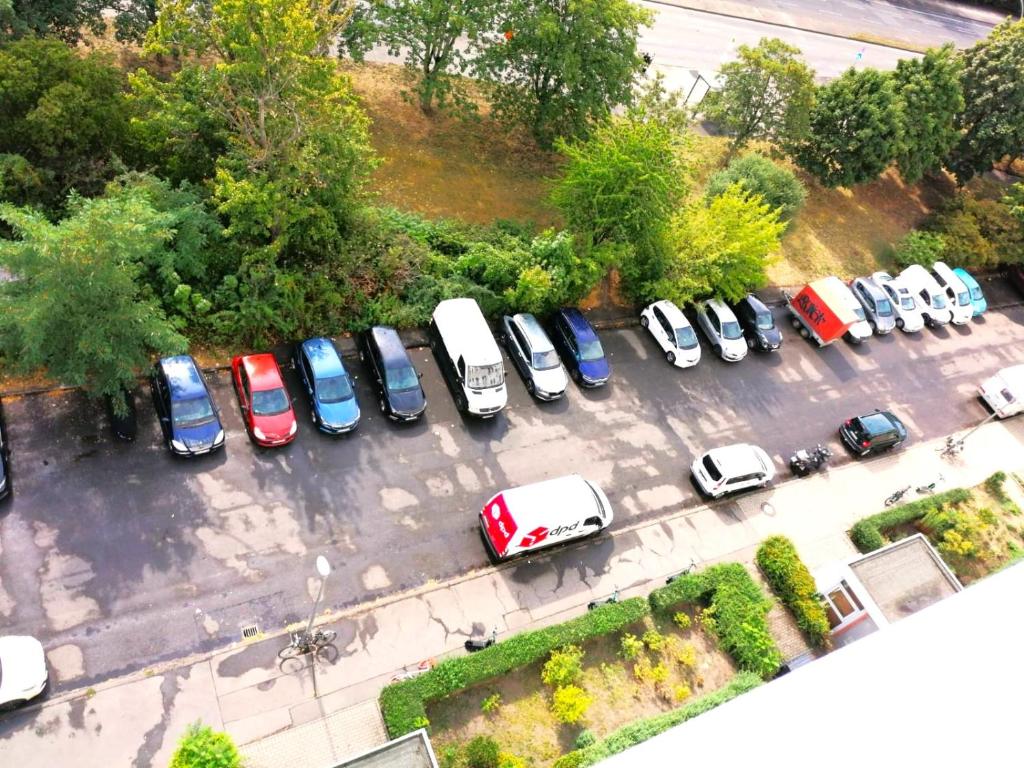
404	704
792	582
737	607
634	733
868	534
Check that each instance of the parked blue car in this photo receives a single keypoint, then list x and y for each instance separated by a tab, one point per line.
579	348
188	417
977	297
332	400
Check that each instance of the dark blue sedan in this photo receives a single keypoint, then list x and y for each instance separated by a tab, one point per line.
188	418
579	348
331	398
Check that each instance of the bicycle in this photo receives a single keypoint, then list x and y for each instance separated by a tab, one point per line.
952	447
607	601
930	487
304	642
896	496
688	569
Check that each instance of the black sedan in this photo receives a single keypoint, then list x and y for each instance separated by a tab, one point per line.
5	457
758	324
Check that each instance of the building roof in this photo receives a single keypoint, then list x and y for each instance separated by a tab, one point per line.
410	751
883	699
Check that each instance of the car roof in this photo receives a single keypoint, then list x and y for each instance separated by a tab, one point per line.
721	308
465	332
755	303
262	371
739	459
873	288
323	357
578	324
183	378
877	423
558	501
531	327
966	277
389	344
672	313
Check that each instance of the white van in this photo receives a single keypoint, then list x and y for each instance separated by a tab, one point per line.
541	514
929	294
957	294
1004	392
468	357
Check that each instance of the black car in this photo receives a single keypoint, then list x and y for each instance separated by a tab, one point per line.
758	324
123	424
399	392
5	457
878	431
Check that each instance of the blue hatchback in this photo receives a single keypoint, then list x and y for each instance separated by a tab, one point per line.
579	348
188	418
977	297
332	400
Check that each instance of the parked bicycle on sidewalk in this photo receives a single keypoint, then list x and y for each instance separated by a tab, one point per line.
303	642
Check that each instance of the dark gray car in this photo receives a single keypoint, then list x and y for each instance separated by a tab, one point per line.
877	305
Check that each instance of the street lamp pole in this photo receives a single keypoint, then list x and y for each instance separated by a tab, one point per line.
324	569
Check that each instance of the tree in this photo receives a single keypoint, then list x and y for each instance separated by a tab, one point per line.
778	186
917	247
561	65
992	121
68	19
426	32
202	747
855	129
77	304
767	94
932	97
720	248
1014	199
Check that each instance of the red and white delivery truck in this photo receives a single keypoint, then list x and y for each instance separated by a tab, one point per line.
541	514
821	310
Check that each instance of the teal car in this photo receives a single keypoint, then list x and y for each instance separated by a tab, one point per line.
977	297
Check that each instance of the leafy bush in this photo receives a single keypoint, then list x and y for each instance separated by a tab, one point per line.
737	609
405	701
491	704
482	752
778	186
585	739
202	747
632	646
917	247
978	233
686	655
634	733
569	703
564	667
682	620
994	485
788	576
654	640
508	760
958	534
681	692
868	534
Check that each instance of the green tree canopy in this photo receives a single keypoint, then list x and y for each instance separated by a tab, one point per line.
992	121
67	20
425	33
932	97
202	747
855	129
563	64
778	186
77	305
766	94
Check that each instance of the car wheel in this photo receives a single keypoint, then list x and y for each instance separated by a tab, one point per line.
671	357
644	321
900	323
718	349
750	343
531	387
577	376
383	407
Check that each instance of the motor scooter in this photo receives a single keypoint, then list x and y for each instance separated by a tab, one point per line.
805	461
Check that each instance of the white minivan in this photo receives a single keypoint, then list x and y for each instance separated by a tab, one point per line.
541	514
929	295
1004	392
469	357
957	294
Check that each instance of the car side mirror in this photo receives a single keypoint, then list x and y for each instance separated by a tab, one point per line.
419	374
165	420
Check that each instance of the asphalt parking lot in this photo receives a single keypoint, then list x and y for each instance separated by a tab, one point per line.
118	556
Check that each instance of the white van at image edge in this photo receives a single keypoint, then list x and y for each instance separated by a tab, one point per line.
957	294
542	514
469	356
926	289
1004	392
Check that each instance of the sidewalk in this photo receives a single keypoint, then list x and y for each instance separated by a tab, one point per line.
276	716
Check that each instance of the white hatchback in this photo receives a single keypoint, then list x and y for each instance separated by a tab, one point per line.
961	308
732	468
673	333
908	314
23	674
722	329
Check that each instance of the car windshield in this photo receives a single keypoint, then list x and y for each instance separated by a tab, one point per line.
193	412
686	338
731	330
765	321
591	350
485	376
964	298
544	361
907	302
402	379
711	467
270	402
883	307
859	312
976	293
333	389
938	301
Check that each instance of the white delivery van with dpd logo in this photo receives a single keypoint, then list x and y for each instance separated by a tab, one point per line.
541	514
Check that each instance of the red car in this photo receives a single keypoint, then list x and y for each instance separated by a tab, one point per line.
266	406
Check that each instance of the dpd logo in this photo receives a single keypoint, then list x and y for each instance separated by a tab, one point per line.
536	536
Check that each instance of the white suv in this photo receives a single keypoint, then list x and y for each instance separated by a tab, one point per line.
732	468
673	332
908	314
722	329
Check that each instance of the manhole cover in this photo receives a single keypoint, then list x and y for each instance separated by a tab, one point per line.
250	631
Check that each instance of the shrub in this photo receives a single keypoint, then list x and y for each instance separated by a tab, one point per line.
736	613
978	233
634	733
792	582
631	646
778	186
508	760
681	692
682	620
403	702
994	486
585	739
924	248
564	667
482	752
491	704
687	656
569	704
654	640
867	534
202	747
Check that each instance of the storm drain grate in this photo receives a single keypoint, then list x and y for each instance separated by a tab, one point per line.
250	631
